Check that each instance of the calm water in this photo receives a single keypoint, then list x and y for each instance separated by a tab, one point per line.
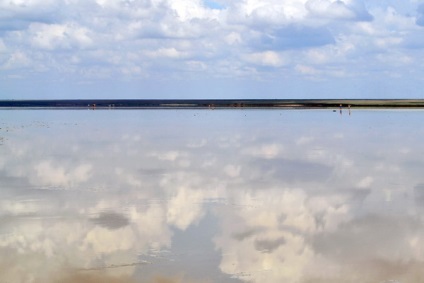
211	196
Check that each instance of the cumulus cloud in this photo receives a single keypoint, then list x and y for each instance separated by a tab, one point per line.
182	213
54	36
267	58
17	60
140	41
342	10
49	175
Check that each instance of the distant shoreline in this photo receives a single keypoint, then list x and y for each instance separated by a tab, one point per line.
211	103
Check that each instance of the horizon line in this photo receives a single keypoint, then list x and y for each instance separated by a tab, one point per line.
210	103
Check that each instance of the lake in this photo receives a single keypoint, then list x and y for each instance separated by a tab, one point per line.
155	196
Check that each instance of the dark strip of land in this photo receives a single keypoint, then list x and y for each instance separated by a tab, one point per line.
214	103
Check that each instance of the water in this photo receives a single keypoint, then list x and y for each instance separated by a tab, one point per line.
211	196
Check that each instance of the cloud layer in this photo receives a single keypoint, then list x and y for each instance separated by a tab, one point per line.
134	42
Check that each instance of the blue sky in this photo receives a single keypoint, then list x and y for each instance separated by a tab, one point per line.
211	49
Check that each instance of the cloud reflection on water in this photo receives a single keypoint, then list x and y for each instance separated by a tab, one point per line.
295	200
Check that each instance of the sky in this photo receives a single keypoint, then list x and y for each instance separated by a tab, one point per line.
211	49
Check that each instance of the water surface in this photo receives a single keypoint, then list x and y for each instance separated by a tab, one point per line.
211	196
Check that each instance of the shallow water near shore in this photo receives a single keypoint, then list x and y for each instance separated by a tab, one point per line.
296	196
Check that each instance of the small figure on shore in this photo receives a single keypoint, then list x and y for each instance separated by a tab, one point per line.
349	109
341	109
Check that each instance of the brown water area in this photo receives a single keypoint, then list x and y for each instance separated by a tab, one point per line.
198	196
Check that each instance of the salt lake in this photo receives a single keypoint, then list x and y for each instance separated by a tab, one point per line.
295	196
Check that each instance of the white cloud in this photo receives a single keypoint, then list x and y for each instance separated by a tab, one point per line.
50	37
17	60
102	240
267	151
192	9
288	216
232	170
331	9
267	12
48	174
128	178
169	156
233	38
343	10
365	182
185	208
267	58
170	41
395	59
306	70
168	53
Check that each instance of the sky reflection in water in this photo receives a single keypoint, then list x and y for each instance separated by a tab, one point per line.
211	196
